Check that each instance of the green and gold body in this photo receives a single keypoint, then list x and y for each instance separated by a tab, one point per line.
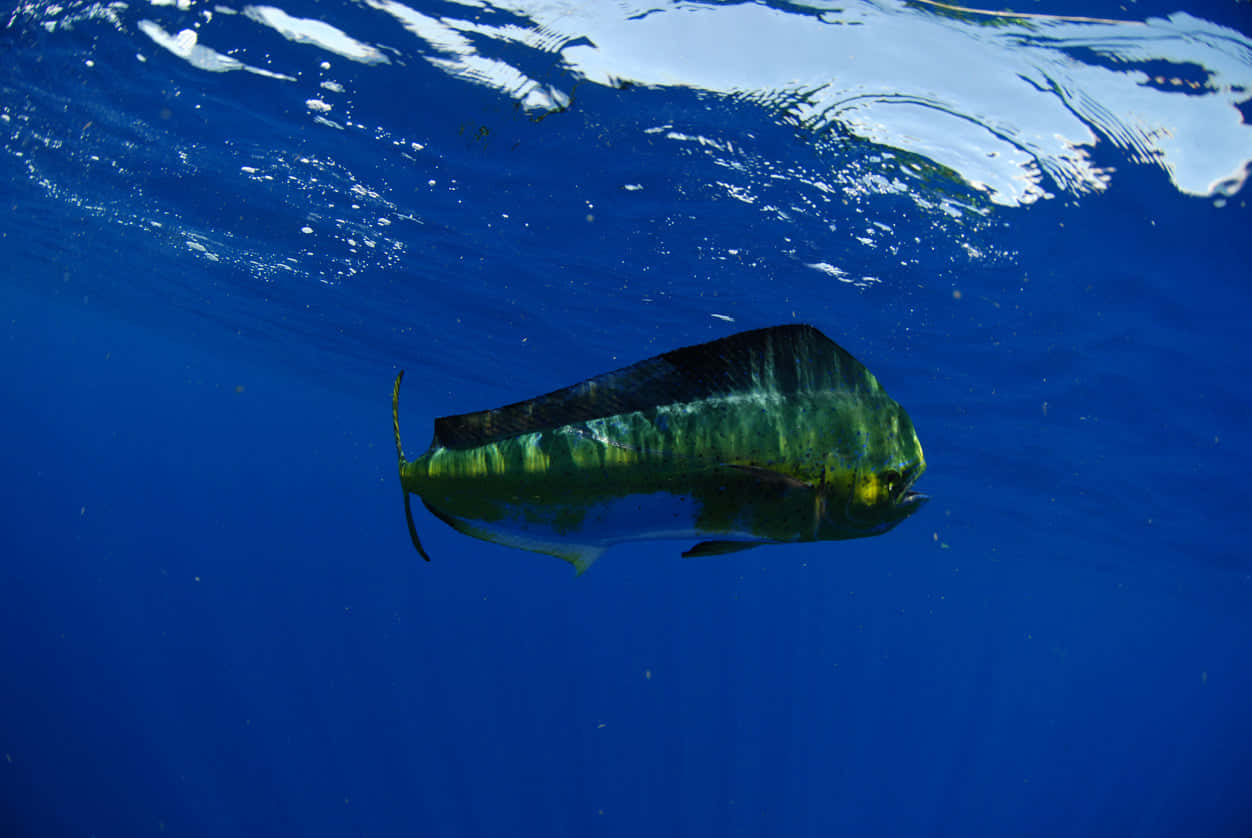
771	436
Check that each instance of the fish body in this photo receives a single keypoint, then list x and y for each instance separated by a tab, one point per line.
765	437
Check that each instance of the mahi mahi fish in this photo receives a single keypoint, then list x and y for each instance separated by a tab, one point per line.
772	436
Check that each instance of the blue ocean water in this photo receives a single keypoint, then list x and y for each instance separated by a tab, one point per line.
225	229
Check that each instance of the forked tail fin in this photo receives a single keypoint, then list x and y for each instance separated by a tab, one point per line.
395	425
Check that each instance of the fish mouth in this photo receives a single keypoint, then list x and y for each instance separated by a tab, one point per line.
911	500
908	500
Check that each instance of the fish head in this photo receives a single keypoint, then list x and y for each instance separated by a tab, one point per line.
895	498
879	492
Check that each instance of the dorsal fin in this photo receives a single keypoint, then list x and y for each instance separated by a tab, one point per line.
780	359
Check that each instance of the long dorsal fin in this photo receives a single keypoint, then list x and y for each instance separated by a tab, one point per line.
780	359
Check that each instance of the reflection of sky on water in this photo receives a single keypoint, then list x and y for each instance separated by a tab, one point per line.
1012	105
1017	108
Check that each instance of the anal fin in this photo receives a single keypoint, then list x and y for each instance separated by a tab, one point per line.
581	556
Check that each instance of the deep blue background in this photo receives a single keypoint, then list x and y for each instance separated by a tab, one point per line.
213	622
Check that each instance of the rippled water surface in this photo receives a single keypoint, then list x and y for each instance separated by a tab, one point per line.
227	226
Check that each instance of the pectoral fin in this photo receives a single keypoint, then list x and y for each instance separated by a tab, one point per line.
720	548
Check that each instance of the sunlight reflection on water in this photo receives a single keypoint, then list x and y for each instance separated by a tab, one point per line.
1010	105
957	115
